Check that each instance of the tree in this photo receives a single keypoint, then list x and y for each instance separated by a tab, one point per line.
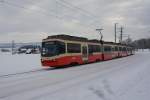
127	41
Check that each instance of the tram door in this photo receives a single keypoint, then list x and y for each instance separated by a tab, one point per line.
85	53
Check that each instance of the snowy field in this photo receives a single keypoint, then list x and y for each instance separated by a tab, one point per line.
18	63
120	79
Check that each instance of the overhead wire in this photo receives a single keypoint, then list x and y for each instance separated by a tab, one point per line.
44	11
71	7
83	11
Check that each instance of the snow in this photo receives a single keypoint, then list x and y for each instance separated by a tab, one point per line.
119	79
143	50
18	63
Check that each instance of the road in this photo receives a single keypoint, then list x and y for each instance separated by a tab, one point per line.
32	86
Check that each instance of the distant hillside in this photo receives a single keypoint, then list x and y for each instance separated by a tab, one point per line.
17	45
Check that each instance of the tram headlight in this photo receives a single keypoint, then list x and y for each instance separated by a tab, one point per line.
43	51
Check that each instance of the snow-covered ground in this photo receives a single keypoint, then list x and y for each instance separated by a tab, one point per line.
120	79
18	63
143	50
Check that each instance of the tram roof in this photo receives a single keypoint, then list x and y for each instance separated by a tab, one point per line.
68	37
81	39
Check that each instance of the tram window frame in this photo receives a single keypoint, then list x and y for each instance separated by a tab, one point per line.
116	48
107	49
62	47
90	49
112	49
120	48
124	49
73	48
94	48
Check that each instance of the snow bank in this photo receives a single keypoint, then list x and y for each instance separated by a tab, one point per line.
143	50
10	64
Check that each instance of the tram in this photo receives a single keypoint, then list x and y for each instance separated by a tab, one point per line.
61	50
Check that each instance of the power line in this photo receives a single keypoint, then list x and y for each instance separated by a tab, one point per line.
78	8
39	12
82	11
56	8
73	16
73	7
25	8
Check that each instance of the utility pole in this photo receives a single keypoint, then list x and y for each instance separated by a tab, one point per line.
101	35
101	40
115	32
121	34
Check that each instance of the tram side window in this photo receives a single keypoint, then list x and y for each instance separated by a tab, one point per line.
120	48
113	49
124	49
107	49
90	49
73	48
62	48
97	48
116	48
94	48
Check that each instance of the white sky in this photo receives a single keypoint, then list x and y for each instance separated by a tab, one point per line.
33	20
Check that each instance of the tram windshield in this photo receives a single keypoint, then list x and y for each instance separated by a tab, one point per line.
52	48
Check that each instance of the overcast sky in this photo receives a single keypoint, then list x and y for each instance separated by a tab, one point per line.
33	20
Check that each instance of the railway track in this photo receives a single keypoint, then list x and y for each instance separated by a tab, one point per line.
21	73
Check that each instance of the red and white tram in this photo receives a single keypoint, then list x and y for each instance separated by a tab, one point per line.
60	50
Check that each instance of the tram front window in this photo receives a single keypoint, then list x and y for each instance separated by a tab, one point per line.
52	48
